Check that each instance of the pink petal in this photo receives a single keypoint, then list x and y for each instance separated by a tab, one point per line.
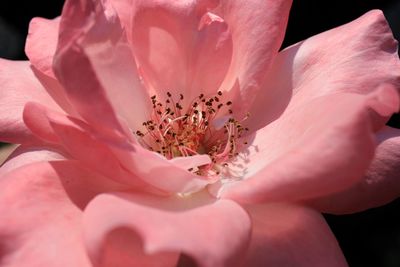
80	183
78	139
56	91
95	65
36	119
257	28
356	57
25	155
168	175
322	147
122	160
83	184
40	48
192	161
124	9
18	87
41	44
176	43
212	56
380	185
38	221
289	235
212	233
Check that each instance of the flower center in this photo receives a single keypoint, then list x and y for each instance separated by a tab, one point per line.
173	131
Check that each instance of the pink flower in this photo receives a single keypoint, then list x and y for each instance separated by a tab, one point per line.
168	133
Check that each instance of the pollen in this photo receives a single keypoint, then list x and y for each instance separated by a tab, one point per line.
177	131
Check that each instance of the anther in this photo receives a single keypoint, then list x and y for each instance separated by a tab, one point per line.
174	133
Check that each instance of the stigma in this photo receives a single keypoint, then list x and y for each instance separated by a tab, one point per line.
205	126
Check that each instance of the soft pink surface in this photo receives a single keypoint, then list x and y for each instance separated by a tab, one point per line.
25	155
41	44
40	48
380	184
331	117
176	45
38	221
18	86
290	235
121	161
198	226
322	65
306	154
73	67
258	28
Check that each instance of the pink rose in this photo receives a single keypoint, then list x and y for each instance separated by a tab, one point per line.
173	133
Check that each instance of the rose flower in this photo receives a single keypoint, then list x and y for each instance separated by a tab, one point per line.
173	133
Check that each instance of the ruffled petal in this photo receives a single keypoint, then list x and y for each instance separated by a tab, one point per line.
41	44
168	175
94	64
40	48
176	43
80	183
380	185
124	9
19	86
71	133
212	233
356	57
25	155
38	221
83	184
257	28
212	53
289	235
122	160
322	147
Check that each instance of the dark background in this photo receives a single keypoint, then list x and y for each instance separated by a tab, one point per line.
370	238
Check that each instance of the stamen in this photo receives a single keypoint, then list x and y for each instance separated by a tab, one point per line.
174	133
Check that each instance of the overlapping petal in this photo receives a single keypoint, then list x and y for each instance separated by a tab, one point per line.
94	64
41	44
40	48
317	110
19	86
380	185
162	225
306	154
319	79
28	154
322	65
121	160
38	221
291	235
212	53
71	133
176	43
257	28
